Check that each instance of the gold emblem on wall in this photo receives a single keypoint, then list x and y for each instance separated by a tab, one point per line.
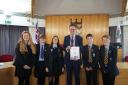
77	22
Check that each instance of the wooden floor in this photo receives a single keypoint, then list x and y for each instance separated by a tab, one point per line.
7	76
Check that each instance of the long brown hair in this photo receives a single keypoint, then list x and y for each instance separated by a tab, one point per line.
55	36
22	45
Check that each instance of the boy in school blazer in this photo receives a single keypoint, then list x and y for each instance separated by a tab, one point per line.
90	57
40	60
108	61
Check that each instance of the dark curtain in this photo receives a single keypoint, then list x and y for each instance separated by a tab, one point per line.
9	36
112	33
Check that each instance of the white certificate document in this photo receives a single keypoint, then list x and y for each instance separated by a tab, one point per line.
75	53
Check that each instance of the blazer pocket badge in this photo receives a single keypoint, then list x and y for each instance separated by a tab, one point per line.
58	50
110	59
109	51
93	54
51	50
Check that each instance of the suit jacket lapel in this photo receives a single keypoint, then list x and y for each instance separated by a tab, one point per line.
38	50
68	40
92	48
103	51
109	51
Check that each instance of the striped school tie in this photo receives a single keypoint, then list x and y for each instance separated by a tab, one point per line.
90	55
106	56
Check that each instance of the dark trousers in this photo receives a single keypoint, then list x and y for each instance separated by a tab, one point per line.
73	66
91	77
108	79
54	80
41	81
24	81
40	72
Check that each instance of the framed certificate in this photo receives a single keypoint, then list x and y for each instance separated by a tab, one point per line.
75	53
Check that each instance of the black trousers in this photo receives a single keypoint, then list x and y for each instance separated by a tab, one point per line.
91	77
54	80
24	81
73	67
40	72
108	79
41	80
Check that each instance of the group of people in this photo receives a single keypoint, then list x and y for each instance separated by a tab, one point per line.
51	60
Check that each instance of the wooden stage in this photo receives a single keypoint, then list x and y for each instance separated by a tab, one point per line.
7	75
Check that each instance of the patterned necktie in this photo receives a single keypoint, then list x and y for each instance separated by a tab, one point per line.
90	55
106	56
42	52
72	41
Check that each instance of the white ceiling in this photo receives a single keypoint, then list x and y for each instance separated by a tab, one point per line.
20	6
66	7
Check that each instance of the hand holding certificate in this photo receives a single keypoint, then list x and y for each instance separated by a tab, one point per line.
74	53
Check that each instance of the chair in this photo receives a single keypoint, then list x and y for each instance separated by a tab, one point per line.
6	58
126	58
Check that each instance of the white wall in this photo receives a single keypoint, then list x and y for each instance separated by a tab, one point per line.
22	21
123	21
125	44
118	20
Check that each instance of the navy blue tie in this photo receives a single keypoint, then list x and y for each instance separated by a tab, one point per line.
42	52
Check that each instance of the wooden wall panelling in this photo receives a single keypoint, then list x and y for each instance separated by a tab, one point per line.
95	24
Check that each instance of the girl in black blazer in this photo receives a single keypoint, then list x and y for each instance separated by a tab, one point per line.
55	61
25	52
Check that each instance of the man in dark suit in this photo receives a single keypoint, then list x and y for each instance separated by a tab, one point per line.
108	61
40	60
72	40
90	55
